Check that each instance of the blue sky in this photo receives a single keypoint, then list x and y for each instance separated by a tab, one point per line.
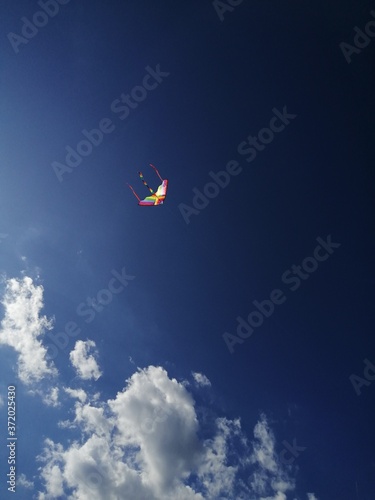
229	352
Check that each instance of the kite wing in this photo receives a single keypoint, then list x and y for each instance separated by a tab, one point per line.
162	189
156	198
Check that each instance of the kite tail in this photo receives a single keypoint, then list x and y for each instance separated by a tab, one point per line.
153	166
135	194
145	183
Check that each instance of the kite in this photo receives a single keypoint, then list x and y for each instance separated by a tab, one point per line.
156	198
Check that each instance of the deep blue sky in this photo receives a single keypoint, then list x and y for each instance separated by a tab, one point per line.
192	281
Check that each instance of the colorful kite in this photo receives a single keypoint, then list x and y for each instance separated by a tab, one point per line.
156	198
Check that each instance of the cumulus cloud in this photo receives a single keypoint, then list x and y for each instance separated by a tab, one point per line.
142	444
153	413
22	328
147	443
83	358
201	380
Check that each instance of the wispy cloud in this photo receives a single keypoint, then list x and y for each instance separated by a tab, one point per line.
269	476
83	358
201	380
76	393
23	482
52	397
23	327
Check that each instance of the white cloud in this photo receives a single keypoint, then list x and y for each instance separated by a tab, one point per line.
1	402
201	380
269	477
52	397
142	444
76	393
24	482
156	414
216	475
146	443
22	328
311	496
51	473
83	358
